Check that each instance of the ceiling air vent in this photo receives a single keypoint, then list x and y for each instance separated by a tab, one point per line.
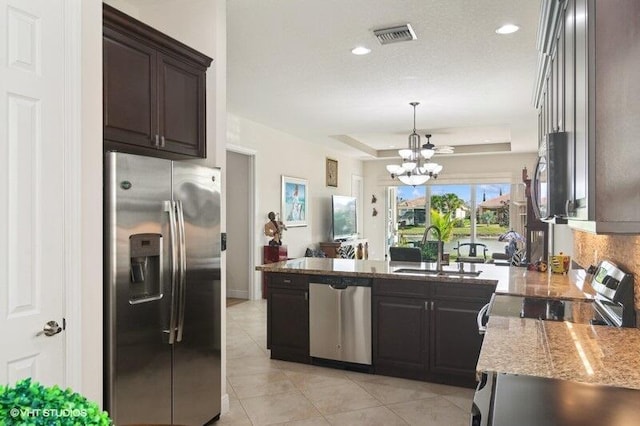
395	34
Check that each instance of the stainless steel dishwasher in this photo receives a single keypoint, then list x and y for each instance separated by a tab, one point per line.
340	319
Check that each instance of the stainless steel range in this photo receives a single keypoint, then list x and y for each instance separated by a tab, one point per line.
612	305
510	399
614	296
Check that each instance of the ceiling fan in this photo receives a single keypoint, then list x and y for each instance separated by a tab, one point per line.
429	149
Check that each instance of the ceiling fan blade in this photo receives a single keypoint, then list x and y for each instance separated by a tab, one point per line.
444	149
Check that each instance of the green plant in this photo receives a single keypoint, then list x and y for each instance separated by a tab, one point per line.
444	222
447	203
31	404
487	217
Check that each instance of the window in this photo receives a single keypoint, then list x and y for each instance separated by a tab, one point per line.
464	212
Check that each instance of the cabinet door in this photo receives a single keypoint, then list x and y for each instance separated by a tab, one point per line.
560	82
288	324
569	93
129	90
581	106
181	107
400	340
455	342
552	82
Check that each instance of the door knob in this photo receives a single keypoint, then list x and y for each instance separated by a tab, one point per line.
50	328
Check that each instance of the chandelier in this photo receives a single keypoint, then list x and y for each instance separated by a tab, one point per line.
416	167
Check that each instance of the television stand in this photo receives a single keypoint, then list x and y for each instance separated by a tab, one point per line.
331	248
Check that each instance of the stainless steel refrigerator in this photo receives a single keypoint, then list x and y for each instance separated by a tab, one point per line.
162	291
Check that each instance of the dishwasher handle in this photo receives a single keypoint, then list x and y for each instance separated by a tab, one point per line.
339	286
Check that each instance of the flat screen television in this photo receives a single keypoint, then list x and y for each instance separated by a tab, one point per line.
344	215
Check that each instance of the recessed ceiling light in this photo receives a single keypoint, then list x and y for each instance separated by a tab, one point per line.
507	29
360	50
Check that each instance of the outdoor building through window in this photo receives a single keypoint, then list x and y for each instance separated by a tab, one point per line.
465	213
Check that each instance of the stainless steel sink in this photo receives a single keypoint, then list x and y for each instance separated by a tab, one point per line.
436	272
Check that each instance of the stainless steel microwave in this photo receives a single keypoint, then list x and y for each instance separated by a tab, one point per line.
550	180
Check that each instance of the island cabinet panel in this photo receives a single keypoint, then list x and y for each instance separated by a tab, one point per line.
288	317
400	337
455	343
401	288
427	331
454	340
401	328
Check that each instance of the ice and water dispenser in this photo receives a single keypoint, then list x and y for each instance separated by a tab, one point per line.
146	267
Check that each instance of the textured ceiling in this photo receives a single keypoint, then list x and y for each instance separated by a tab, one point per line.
290	67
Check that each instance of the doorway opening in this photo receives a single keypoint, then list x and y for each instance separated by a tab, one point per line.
240	226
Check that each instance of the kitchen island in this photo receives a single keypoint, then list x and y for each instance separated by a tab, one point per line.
423	324
507	280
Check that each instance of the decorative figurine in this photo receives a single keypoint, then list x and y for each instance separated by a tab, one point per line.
274	229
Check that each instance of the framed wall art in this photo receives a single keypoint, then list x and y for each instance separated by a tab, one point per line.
332	172
294	207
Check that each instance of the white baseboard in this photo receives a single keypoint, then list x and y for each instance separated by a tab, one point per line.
237	294
224	409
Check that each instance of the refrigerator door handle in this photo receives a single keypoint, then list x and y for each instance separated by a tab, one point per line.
182	287
170	207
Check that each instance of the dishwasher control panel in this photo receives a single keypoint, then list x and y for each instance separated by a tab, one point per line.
342	282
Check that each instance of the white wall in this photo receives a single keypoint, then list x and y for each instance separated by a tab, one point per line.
560	240
278	154
91	200
489	168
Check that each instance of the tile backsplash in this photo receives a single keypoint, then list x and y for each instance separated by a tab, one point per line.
623	250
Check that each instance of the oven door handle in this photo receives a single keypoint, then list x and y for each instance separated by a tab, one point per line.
481	406
480	319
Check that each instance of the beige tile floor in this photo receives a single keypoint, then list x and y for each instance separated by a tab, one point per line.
267	392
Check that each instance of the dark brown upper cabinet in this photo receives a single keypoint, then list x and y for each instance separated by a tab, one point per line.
587	72
154	88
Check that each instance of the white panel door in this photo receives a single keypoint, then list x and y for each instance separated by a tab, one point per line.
32	250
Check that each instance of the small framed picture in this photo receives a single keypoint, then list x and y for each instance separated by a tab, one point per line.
332	172
294	206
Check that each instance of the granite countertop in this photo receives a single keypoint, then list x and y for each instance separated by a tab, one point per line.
508	280
561	350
